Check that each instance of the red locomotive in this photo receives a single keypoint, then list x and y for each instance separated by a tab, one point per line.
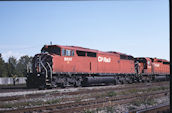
71	65
153	68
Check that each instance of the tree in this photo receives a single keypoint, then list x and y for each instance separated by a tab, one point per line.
13	61
11	66
3	69
14	66
22	65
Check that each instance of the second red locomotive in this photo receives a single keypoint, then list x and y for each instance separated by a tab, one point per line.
71	65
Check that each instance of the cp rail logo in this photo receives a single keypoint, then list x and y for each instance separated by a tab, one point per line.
104	59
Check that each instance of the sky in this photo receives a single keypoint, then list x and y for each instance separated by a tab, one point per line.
135	27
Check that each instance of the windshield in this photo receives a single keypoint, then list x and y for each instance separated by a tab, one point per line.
51	50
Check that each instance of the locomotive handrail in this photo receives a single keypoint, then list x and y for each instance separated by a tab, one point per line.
43	66
50	71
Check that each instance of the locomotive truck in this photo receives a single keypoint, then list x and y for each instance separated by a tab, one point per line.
61	66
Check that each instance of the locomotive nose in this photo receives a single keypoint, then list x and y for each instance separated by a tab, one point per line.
41	71
42	63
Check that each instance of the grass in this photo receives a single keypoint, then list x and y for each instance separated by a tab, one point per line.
88	111
130	108
149	101
144	101
78	99
109	109
33	103
106	94
129	91
55	101
132	91
158	88
111	94
19	105
136	103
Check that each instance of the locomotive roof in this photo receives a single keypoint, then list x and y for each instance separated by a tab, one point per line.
154	59
90	50
163	60
119	53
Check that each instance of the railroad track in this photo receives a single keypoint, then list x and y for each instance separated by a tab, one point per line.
85	90
90	104
19	88
89	93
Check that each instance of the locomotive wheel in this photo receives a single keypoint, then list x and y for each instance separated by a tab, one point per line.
116	82
85	84
129	81
122	81
77	84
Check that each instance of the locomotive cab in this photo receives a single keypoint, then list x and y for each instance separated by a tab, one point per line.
140	65
51	49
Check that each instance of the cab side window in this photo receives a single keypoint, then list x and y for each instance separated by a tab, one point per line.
63	52
67	52
72	52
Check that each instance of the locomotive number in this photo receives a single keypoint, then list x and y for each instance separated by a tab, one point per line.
67	59
149	66
104	59
156	65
